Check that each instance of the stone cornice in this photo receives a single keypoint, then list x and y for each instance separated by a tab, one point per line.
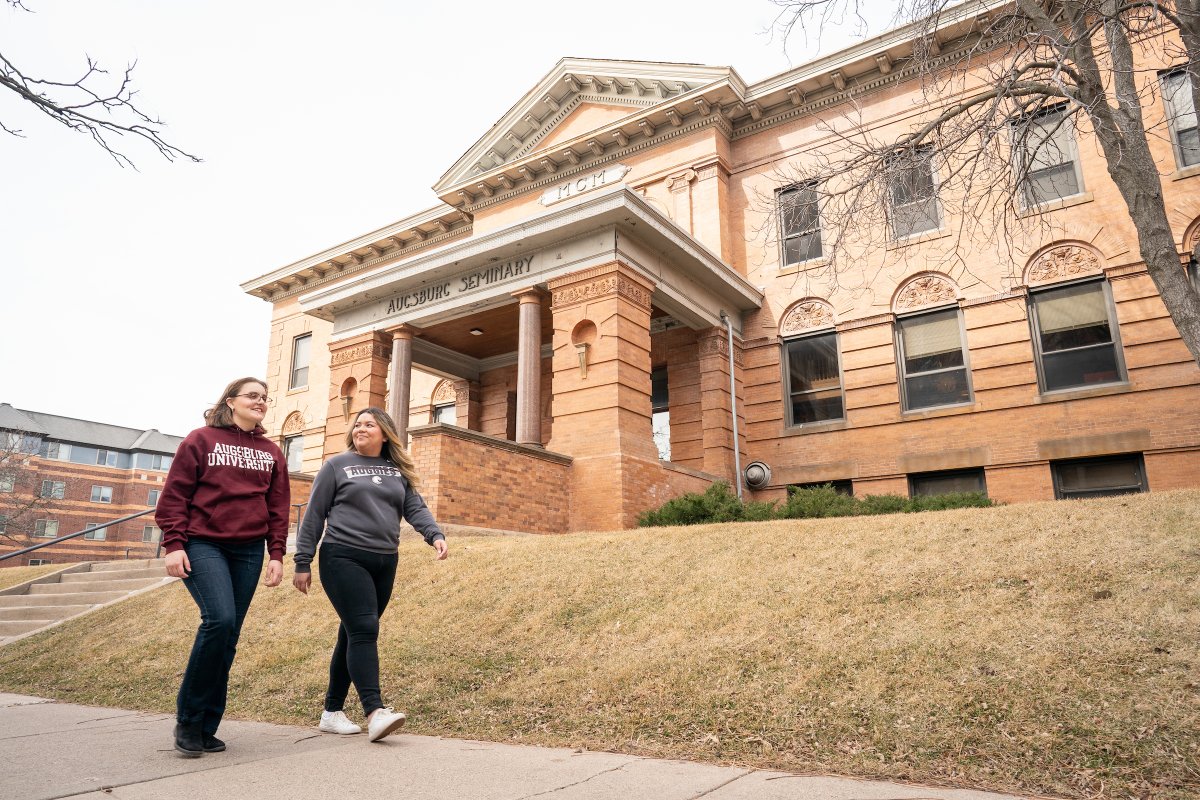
442	429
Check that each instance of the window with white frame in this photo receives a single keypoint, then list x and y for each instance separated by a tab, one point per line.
37	562
1075	336
54	490
8	482
293	452
106	458
101	494
152	497
912	193
151	533
813	379
94	532
1099	477
1049	162
799	223
301	346
46	527
1181	118
444	412
932	360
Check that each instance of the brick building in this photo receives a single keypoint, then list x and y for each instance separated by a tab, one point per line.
59	475
558	332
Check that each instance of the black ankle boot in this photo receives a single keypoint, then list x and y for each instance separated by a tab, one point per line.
189	740
213	745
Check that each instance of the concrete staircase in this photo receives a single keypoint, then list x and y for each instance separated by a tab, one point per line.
50	599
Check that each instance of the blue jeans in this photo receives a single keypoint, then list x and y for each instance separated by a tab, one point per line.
223	579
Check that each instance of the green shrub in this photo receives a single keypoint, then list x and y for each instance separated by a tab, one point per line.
818	502
718	503
883	504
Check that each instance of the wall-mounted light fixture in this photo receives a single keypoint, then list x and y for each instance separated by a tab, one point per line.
477	331
346	402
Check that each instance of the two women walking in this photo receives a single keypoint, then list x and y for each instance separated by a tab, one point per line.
227	498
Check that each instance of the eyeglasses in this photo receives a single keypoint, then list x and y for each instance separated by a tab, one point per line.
254	397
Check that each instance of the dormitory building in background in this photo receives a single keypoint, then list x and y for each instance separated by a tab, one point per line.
557	331
59	475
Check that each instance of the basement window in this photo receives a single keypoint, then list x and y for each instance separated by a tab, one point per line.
1099	477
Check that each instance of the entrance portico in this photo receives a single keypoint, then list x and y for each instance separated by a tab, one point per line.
547	325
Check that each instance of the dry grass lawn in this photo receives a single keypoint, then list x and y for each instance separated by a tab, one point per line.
1046	648
11	576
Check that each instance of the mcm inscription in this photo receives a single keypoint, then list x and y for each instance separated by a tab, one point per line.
468	282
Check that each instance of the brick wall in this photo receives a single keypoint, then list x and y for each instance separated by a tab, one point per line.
471	478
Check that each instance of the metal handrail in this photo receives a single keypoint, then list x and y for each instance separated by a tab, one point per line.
75	535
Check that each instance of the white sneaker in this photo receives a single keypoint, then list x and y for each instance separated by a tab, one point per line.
383	722
337	722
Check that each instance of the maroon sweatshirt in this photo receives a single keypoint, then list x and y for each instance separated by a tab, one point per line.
226	485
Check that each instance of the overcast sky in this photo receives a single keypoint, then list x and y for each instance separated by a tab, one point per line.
317	122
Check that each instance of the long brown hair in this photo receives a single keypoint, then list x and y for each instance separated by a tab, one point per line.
393	450
221	415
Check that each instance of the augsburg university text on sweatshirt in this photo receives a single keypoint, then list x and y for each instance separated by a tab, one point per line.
229	455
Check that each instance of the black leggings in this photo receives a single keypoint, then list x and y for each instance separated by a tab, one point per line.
359	584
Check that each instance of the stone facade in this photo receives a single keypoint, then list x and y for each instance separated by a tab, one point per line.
612	247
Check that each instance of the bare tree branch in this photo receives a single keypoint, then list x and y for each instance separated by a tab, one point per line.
103	109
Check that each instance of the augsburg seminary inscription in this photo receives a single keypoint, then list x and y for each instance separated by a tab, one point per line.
467	282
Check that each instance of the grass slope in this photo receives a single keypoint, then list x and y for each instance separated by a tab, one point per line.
1045	648
11	576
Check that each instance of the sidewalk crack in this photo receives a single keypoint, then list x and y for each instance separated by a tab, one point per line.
576	783
722	784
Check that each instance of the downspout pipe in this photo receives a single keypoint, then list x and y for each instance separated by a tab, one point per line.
737	455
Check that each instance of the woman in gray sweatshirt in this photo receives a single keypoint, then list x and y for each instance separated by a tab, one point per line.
357	502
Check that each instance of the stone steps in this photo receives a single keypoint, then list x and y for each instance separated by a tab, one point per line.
78	589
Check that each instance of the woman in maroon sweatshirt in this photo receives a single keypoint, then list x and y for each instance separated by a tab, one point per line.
226	494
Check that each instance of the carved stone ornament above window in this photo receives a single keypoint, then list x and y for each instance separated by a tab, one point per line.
293	424
806	315
925	290
444	393
1061	263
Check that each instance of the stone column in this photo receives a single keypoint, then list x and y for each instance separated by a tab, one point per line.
715	405
602	418
358	372
710	208
401	379
529	367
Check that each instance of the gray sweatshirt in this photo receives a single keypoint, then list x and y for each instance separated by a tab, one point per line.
358	501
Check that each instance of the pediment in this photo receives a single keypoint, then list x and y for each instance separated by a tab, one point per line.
577	96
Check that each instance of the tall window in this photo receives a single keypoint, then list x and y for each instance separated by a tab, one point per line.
933	361
95	533
46	527
927	484
813	379
54	490
660	413
151	533
799	223
1049	165
300	350
1075	336
1099	477
1181	117
7	482
293	452
3	524
152	497
101	494
912	194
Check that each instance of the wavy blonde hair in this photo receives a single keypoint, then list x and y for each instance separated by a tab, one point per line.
393	451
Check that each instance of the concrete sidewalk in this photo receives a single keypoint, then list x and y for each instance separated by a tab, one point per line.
55	750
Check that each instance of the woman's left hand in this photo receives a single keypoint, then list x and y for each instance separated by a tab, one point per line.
274	572
442	549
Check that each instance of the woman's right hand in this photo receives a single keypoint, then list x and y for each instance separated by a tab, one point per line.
178	565
302	580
